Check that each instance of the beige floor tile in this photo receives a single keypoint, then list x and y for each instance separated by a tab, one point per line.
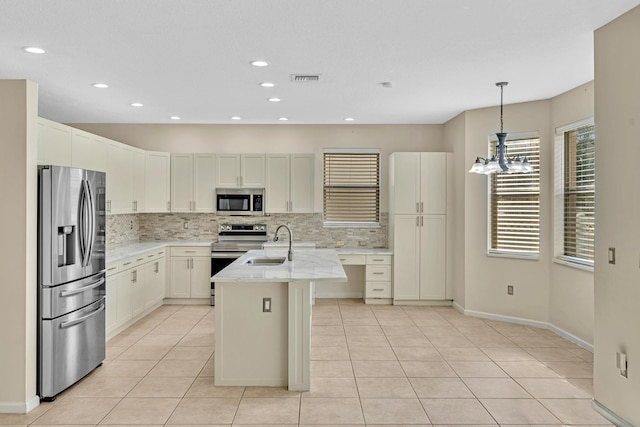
527	369
111	352
141	410
329	341
584	384
378	368
204	411
162	387
403	330
385	388
519	411
144	352
468	354
151	339
125	368
331	369
78	410
393	411
270	392
572	369
177	368
204	387
440	388
574	411
417	353
451	341
125	339
197	340
330	353
438	331
426	369
493	342
321	330
554	355
477	369
552	388
268	411
333	411
71	425
367	341
189	353
585	355
209	369
409	341
372	353
507	354
533	341
361	321
331	387
104	386
505	388
478	330
456	411
25	419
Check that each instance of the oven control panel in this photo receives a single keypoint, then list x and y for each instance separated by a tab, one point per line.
243	227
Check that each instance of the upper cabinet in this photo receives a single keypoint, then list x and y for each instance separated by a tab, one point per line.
193	182
88	151
418	183
54	143
125	178
240	170
289	183
157	183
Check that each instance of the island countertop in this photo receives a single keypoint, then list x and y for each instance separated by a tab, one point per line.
308	265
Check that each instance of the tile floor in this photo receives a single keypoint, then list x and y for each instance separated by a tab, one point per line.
371	365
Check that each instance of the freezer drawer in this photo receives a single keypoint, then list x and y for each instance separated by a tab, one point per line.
71	346
58	300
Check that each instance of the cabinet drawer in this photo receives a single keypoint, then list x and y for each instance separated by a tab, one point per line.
378	273
191	251
378	290
379	259
352	259
113	268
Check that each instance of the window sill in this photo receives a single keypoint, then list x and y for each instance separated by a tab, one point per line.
514	255
574	263
351	224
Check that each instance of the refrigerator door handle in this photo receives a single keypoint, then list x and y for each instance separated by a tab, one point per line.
92	221
81	319
83	224
82	289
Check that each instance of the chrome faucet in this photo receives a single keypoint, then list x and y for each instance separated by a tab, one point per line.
275	239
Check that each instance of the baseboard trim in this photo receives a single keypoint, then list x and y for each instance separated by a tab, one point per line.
20	408
332	295
608	414
526	322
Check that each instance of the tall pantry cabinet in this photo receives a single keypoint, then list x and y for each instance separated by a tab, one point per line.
418	225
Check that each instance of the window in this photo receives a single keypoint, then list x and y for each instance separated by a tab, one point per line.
578	193
515	203
352	187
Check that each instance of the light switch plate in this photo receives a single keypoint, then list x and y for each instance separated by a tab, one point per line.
266	305
612	255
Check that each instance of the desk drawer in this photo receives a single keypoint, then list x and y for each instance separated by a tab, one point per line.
378	273
379	259
352	259
378	290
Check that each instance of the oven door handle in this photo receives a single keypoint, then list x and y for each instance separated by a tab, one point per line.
228	255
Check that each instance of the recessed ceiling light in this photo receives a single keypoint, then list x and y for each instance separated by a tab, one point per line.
283	119
174	118
349	119
236	118
267	84
100	85
259	63
136	104
274	99
33	49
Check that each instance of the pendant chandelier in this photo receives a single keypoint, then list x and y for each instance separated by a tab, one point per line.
500	162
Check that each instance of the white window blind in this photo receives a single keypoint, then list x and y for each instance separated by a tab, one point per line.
352	187
515	203
579	193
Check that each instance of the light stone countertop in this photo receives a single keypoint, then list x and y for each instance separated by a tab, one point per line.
121	252
364	251
308	265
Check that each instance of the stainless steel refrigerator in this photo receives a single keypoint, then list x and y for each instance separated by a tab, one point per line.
71	276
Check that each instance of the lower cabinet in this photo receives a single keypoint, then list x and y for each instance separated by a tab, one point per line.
134	286
378	279
189	272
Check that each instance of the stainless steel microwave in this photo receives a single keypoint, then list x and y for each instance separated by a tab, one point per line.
240	201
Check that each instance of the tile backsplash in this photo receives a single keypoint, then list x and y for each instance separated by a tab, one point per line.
123	229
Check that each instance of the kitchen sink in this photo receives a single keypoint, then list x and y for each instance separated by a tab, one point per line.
265	261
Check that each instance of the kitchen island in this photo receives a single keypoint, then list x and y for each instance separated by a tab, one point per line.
263	317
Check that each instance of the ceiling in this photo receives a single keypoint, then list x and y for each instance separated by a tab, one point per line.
190	58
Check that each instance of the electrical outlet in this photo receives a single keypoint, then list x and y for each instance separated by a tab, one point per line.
509	289
266	305
621	363
186	225
612	255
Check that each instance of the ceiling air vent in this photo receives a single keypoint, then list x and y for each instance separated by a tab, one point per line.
302	78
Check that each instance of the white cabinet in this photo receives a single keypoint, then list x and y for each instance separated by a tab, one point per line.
289	183
193	183
157	182
54	143
88	151
240	170
378	279
138	181
125	178
189	272
418	224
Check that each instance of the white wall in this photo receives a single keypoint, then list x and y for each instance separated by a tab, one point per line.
617	287
283	138
18	219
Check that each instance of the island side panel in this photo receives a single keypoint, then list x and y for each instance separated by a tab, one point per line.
250	344
300	300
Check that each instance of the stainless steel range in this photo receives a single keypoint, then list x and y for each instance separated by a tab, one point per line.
233	241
